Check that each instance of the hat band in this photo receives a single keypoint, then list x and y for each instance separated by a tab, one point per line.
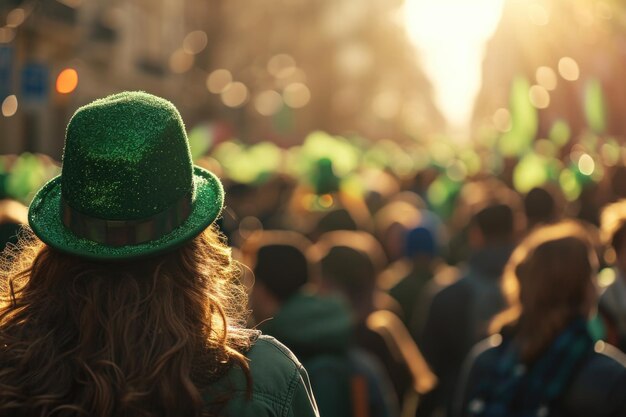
126	232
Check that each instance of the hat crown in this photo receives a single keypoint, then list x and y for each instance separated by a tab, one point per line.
126	157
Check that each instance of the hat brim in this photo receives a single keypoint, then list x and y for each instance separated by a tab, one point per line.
44	217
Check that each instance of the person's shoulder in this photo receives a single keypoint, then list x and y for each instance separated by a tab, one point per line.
457	291
479	365
600	384
484	354
606	364
269	356
268	360
272	367
277	379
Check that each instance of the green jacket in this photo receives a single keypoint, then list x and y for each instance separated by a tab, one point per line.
318	330
311	325
280	385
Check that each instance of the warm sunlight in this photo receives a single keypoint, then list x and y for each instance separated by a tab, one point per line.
451	36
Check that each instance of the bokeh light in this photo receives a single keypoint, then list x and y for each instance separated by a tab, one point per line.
568	68
502	120
235	95
353	59
281	65
6	35
195	42
606	276
539	97
268	102
181	61
610	152
296	95
67	81
219	80
16	17
586	164
9	106
546	77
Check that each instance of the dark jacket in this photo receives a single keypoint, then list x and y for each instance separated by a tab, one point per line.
280	385
457	319
598	388
408	291
319	331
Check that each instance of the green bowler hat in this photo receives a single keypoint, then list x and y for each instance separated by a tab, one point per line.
128	187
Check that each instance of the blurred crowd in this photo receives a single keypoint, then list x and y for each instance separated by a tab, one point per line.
399	306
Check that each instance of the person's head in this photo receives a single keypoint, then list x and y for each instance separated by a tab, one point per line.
350	263
280	266
539	206
128	301
421	244
487	213
392	223
492	225
613	226
336	219
549	281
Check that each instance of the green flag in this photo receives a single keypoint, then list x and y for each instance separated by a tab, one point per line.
595	106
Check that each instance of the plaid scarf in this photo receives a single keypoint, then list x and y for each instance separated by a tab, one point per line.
516	390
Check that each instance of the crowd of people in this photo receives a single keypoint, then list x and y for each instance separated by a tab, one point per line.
452	338
333	304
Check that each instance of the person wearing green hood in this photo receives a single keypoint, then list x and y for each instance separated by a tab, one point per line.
126	301
318	329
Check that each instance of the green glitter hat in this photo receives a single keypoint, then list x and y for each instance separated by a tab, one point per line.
128	187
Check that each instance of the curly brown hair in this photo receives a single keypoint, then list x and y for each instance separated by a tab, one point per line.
141	338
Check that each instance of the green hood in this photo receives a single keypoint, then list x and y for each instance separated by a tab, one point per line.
310	324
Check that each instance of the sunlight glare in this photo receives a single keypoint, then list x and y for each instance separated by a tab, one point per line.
450	36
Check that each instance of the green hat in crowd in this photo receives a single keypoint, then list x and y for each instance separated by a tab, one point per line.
128	187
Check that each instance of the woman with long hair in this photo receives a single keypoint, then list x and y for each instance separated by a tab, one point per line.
544	361
125	300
